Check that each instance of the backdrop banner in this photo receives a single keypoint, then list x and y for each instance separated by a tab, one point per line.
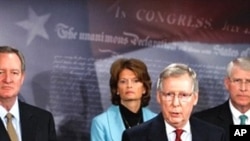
70	45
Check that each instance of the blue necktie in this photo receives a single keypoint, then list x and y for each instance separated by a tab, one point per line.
243	119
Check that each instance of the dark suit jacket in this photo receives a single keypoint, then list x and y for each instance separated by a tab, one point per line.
154	130
36	124
219	115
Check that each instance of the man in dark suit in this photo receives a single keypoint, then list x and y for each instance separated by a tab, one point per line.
30	123
177	93
237	83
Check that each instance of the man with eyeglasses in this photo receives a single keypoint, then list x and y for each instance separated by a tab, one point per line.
177	94
236	110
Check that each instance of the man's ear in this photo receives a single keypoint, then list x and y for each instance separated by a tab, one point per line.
158	98
196	98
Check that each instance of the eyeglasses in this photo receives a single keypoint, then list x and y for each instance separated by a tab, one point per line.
182	96
239	82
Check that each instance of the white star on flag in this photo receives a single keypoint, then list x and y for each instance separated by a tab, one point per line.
35	25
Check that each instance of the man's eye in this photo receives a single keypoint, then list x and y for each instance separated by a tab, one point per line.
237	80
184	95
16	73
168	94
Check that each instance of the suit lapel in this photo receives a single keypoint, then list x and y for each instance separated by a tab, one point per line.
225	118
198	133
158	130
147	114
28	123
116	128
225	115
3	133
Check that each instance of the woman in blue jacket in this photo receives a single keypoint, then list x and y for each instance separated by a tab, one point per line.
130	87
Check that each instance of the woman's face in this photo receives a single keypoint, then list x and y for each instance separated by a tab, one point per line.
129	87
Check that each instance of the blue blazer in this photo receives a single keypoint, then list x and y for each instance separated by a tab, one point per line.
108	126
154	130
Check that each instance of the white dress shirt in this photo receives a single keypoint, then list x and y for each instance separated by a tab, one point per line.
236	114
185	136
15	120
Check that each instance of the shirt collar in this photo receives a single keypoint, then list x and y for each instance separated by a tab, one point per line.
171	129
236	113
14	111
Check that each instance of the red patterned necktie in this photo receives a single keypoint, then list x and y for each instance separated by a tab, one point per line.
178	133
